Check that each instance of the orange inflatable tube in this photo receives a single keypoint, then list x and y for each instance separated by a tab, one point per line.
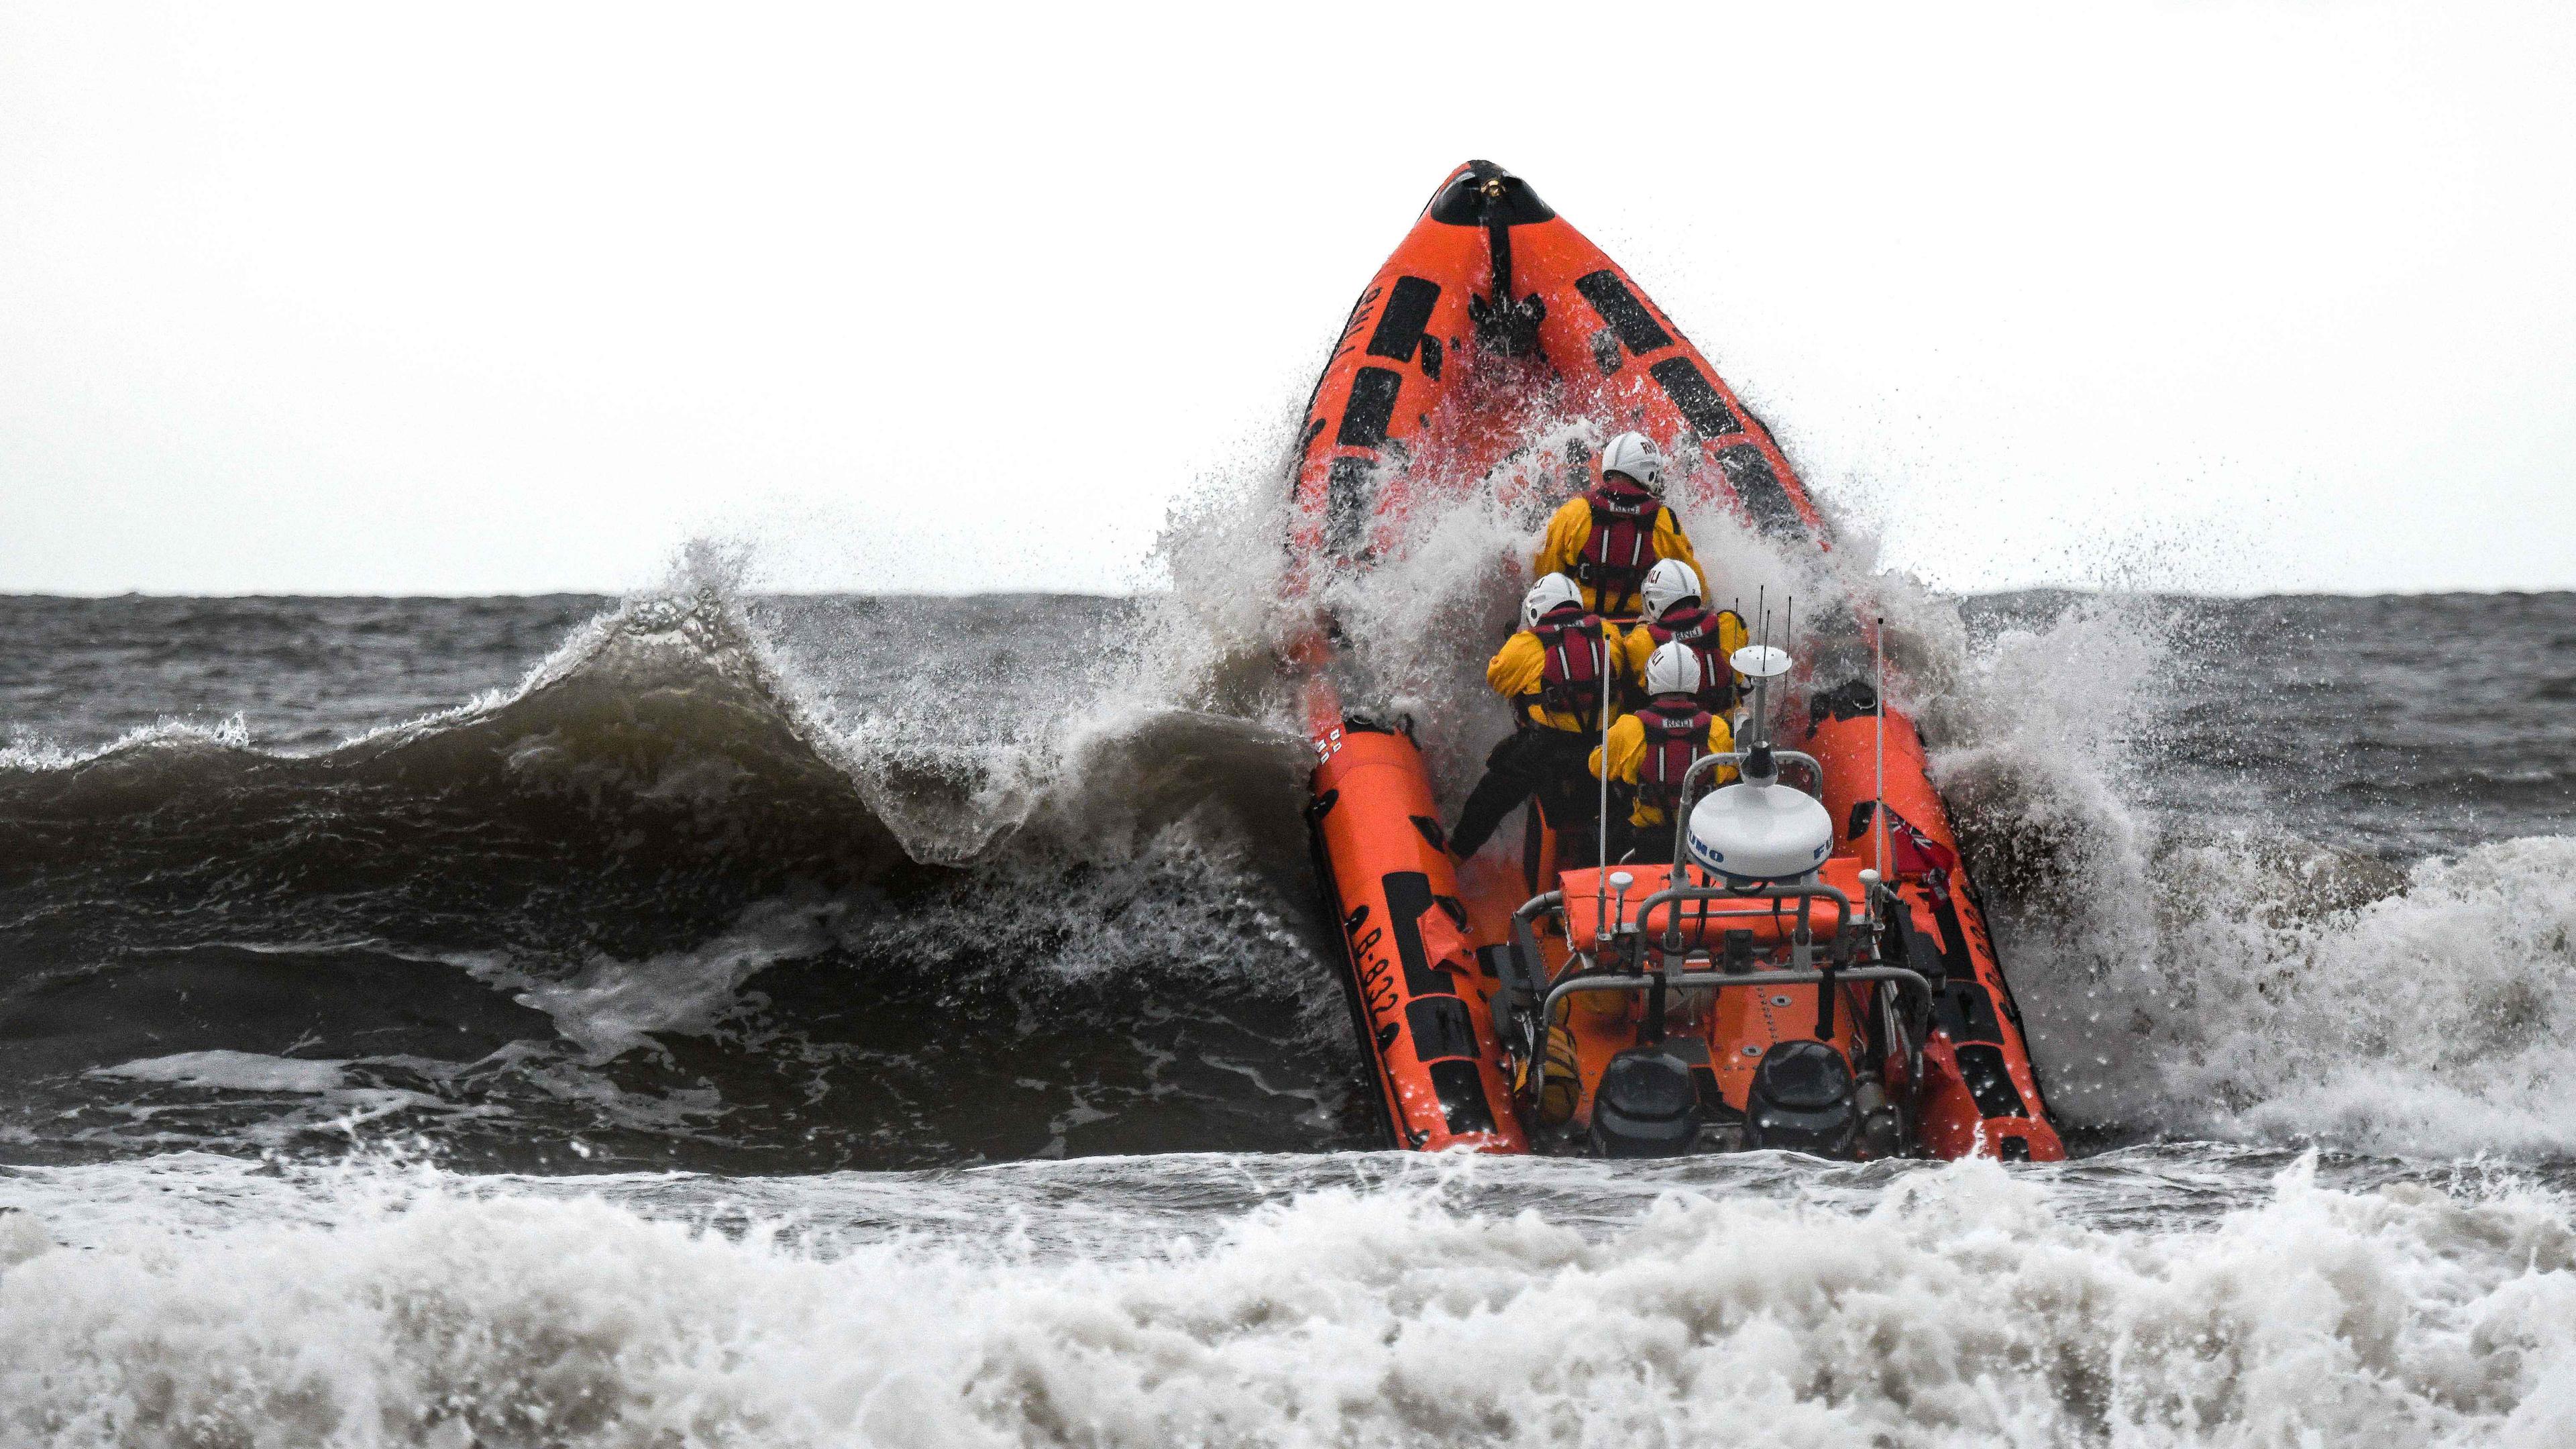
1984	1095
1420	997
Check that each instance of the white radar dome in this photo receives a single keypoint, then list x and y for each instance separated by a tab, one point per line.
1753	832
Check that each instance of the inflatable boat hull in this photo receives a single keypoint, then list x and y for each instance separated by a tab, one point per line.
1493	296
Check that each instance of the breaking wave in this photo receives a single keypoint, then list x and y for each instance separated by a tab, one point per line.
2193	966
1254	1301
670	893
783	883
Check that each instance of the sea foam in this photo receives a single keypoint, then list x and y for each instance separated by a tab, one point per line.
1947	1306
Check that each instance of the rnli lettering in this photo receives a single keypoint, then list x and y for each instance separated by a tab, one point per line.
1359	318
1361	312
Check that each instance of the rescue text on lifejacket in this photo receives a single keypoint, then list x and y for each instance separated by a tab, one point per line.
1712	634
1676	737
1652	751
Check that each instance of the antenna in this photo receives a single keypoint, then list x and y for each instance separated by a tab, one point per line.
1601	860
1762	690
1878	807
1761	664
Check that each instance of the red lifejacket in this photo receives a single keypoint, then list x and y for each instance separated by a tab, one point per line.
1699	627
1676	737
1576	657
1621	546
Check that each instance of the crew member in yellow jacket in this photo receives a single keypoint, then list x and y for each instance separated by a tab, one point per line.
1651	752
1676	611
1606	539
1555	673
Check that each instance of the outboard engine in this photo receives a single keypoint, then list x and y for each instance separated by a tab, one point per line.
1803	1100
1645	1106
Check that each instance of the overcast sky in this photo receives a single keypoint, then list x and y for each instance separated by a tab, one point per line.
459	299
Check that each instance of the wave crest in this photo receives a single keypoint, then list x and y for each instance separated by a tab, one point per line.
1953	1306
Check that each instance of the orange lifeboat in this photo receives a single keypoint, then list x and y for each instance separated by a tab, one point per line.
1494	1007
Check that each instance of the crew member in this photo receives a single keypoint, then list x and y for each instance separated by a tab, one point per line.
1650	752
1609	537
1676	612
1554	673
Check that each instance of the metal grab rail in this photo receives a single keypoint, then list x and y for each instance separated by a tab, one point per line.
1538	905
1908	981
1524	952
1675	895
1520	985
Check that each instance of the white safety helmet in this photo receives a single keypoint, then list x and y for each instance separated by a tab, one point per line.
1546	597
1632	454
1668	583
1674	668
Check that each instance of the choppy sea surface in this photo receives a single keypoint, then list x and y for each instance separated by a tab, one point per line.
705	1017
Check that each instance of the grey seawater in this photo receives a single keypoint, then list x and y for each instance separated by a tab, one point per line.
845	1020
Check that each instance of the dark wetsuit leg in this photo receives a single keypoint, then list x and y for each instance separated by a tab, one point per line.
1572	804
1627	839
1542	762
1507	783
